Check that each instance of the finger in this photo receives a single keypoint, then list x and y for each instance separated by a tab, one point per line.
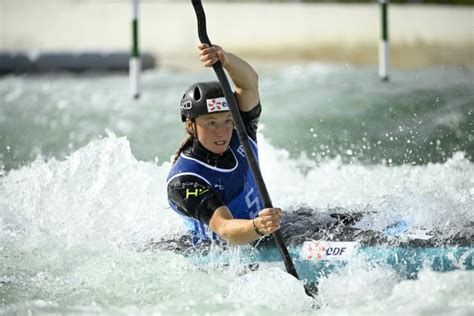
269	212
270	230
213	48
204	51
221	55
268	218
207	57
211	59
269	225
211	62
274	229
271	222
268	215
274	215
205	45
208	51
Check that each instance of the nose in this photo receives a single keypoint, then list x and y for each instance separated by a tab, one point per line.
222	126
220	129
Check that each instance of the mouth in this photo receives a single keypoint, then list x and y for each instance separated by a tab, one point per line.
220	143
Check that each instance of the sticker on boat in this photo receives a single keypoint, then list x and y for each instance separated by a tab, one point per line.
317	250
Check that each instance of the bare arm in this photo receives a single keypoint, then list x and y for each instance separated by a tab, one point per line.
242	74
208	208
242	231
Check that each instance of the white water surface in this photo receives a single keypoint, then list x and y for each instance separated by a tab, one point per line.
78	210
74	236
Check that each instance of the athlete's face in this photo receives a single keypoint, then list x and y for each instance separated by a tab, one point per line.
214	131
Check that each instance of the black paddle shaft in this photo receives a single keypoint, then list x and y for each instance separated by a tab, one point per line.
242	134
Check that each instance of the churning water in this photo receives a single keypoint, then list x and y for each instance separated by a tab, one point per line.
82	191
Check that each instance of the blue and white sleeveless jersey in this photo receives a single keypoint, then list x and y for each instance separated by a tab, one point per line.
235	186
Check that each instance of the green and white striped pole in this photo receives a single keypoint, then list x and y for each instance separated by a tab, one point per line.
135	62
383	45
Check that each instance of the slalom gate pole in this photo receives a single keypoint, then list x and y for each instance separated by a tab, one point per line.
383	44
135	61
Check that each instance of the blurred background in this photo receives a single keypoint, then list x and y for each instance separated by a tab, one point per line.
422	33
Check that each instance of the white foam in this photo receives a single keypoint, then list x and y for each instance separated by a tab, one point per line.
99	195
358	283
433	293
271	287
433	196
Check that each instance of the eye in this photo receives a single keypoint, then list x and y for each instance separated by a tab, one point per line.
229	122
211	124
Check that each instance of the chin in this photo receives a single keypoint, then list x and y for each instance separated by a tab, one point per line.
220	149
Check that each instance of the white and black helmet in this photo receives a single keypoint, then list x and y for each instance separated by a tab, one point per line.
203	98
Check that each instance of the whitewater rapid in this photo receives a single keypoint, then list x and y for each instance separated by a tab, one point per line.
74	232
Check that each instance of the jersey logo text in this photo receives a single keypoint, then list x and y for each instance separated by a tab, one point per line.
195	192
